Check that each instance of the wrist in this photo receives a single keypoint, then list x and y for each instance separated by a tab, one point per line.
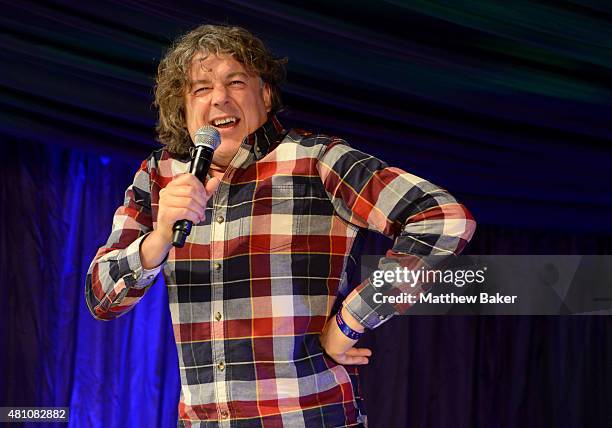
351	321
154	249
161	236
345	329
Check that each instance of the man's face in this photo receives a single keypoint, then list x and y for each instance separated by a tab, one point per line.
224	95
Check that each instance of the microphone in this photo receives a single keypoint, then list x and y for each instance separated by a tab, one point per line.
206	140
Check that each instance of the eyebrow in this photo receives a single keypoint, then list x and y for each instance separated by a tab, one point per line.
229	76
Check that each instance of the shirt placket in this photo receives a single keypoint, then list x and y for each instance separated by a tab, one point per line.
217	250
217	245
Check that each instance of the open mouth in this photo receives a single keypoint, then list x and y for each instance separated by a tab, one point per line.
225	122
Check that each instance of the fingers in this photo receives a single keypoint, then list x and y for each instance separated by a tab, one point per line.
354	356
352	360
185	192
358	355
184	198
191	181
359	352
178	193
184	204
212	185
187	179
176	214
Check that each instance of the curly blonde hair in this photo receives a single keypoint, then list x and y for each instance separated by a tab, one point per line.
172	75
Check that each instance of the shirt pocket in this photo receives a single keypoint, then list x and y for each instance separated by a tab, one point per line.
274	218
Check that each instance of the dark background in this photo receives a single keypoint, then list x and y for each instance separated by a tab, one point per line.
505	104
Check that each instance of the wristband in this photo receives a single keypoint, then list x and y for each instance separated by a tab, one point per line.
344	327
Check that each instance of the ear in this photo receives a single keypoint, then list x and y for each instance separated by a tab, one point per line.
267	97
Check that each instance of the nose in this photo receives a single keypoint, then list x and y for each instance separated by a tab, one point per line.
219	95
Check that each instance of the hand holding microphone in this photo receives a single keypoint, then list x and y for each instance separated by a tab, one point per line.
183	199
206	140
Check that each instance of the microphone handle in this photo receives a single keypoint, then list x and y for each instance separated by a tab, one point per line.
199	167
180	232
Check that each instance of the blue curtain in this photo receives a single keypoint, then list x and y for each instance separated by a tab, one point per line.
57	209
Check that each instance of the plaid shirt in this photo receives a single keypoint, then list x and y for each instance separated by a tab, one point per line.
252	288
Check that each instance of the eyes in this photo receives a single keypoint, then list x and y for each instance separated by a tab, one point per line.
235	84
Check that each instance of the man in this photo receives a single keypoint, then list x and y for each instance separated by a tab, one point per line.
255	291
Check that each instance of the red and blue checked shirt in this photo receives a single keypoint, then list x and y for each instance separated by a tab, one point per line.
252	288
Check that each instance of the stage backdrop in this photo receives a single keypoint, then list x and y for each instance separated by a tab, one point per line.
505	106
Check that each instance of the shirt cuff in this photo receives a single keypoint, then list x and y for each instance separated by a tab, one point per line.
139	277
360	304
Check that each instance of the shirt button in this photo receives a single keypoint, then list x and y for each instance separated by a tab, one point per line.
219	219
221	366
224	414
217	266
218	316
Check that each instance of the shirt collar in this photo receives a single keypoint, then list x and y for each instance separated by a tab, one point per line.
266	137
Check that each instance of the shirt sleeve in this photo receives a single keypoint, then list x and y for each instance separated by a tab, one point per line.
116	280
425	221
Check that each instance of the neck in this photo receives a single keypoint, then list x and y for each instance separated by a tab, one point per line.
217	170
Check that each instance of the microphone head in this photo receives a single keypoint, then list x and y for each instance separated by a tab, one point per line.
207	136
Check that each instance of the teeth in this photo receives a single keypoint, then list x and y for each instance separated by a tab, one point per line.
224	121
